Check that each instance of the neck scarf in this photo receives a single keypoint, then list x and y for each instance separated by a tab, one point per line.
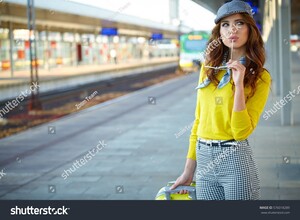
225	79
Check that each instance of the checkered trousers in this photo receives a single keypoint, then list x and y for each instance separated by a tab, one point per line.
226	172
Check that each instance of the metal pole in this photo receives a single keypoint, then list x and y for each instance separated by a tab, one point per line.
47	57
29	14
276	56
11	51
34	103
35	48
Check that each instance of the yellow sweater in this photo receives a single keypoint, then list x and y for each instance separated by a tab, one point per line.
214	115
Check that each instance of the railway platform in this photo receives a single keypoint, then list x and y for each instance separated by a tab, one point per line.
129	147
63	77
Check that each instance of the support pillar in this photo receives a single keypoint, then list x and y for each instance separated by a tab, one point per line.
285	59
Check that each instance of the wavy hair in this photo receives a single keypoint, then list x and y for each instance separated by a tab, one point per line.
255	54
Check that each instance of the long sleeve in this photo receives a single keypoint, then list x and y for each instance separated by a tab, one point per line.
244	122
193	137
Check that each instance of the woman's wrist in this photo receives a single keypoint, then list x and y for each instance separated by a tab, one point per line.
190	167
239	98
239	85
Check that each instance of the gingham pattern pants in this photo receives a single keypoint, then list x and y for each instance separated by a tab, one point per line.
226	172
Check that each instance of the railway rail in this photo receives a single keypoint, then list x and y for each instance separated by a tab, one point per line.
58	103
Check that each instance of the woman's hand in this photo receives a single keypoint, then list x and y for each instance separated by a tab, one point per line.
186	177
238	72
183	180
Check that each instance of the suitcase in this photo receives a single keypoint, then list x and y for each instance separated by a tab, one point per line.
166	194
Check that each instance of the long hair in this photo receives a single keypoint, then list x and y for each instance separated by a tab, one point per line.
255	54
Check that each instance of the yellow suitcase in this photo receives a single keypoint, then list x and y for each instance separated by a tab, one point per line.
166	194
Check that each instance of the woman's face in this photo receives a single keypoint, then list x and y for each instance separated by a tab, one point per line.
234	30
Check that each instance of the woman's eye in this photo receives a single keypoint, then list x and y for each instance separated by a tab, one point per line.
225	25
239	24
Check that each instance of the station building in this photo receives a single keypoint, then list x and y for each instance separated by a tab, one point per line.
70	34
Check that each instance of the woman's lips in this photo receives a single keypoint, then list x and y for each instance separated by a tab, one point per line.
233	38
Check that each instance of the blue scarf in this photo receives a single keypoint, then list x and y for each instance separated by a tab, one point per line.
225	79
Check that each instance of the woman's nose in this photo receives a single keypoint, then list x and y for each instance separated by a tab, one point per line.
233	29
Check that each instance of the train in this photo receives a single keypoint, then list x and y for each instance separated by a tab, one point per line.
191	46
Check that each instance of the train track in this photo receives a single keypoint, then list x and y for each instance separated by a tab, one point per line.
58	103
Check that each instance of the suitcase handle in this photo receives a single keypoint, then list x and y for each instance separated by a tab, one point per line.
190	189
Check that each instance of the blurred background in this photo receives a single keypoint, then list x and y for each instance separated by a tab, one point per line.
115	80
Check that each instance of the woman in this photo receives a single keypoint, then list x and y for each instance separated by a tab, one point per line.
232	92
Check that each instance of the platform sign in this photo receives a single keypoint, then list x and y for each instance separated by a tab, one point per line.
109	31
157	36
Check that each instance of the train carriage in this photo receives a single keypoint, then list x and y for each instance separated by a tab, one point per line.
191	47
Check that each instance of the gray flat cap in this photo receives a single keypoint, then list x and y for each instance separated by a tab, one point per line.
233	7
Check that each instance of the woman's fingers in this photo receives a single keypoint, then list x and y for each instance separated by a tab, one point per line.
237	66
174	185
183	191
177	183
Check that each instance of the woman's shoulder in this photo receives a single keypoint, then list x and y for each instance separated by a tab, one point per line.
265	76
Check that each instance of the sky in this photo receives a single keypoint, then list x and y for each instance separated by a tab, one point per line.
190	13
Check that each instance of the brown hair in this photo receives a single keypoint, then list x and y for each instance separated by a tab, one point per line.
255	54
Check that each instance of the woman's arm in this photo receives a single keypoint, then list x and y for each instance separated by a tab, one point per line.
245	115
187	176
239	99
238	74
